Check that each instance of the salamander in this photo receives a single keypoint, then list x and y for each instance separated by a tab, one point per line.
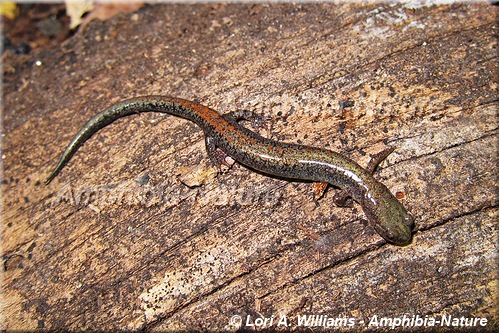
224	133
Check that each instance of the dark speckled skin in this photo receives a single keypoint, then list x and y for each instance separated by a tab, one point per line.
385	213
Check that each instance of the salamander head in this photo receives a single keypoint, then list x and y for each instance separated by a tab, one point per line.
388	216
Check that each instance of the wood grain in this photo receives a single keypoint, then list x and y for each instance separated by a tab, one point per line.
117	241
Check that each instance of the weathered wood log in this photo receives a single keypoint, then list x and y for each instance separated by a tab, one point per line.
117	241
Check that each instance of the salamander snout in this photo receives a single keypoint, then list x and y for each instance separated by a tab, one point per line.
399	233
389	217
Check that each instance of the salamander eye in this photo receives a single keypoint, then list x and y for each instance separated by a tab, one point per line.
409	221
390	235
385	233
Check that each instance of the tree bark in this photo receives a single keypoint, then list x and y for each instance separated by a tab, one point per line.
118	241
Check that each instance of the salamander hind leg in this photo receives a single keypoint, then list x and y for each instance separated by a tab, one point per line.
256	119
217	156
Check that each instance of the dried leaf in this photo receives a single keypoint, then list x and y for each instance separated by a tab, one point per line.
76	9
8	9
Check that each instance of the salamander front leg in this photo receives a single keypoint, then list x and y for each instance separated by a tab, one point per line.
378	158
343	198
318	188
